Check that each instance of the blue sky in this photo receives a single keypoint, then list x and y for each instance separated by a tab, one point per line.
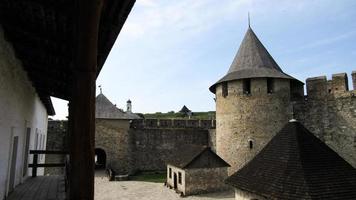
169	52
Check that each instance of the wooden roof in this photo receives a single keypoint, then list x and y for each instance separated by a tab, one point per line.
195	156
253	61
43	33
297	165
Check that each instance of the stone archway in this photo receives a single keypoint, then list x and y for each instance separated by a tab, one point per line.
100	159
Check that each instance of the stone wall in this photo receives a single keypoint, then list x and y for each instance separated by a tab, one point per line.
198	180
172	123
253	118
56	141
204	180
152	147
329	111
113	137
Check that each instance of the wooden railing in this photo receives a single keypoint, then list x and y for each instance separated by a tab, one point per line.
36	165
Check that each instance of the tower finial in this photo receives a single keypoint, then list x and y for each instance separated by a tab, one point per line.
249	22
101	91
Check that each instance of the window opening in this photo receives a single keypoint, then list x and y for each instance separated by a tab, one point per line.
247	86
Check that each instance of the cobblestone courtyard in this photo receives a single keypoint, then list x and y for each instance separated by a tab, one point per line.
139	190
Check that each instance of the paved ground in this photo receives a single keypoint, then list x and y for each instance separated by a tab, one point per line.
137	190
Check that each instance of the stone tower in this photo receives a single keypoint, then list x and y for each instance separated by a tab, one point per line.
128	106
253	102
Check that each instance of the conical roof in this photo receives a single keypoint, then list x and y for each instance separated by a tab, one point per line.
252	61
184	110
104	109
297	165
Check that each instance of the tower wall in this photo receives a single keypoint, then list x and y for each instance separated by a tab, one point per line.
242	119
354	79
329	112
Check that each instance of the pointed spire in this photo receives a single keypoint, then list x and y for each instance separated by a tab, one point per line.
252	61
249	22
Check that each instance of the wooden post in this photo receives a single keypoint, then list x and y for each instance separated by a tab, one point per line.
82	105
34	162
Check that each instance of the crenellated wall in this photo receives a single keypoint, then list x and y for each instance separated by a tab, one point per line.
329	111
138	145
154	141
172	123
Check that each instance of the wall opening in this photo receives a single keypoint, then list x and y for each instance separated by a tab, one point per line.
175	185
250	144
13	163
27	148
179	178
270	85
246	84
170	172
100	159
225	90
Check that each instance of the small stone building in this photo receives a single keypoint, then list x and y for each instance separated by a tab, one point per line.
196	169
295	164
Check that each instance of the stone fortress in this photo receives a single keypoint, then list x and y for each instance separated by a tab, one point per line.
254	100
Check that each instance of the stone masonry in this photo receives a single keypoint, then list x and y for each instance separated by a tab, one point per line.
329	111
247	122
56	141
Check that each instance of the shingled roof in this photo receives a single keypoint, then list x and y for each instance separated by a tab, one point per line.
104	109
195	156
252	61
297	165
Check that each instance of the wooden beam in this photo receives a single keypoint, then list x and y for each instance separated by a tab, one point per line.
82	105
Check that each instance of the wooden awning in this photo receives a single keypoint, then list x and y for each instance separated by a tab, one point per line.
43	33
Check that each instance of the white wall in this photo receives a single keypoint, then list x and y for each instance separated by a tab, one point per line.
20	107
170	181
243	195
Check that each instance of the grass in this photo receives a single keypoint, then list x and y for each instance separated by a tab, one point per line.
154	177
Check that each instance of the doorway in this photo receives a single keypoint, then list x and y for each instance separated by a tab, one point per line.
100	159
27	149
13	163
175	185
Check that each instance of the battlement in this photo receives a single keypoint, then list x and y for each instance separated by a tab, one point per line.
320	87
172	123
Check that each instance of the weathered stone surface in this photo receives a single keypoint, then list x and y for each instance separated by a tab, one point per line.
244	118
56	141
153	147
329	112
199	180
113	137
